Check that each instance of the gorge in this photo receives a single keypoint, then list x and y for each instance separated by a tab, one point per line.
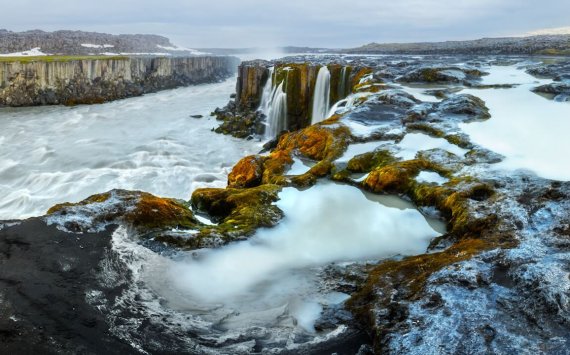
353	204
29	81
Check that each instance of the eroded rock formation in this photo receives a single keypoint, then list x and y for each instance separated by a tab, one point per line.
53	80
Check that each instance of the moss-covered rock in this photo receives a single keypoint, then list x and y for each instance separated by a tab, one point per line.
140	210
247	172
239	211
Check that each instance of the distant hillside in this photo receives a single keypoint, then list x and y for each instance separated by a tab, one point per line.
252	50
543	44
86	43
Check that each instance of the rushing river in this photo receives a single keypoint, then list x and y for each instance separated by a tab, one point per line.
50	155
273	286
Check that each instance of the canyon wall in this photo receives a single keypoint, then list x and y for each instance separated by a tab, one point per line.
299	84
53	80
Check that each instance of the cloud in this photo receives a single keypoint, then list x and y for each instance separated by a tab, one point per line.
550	31
332	23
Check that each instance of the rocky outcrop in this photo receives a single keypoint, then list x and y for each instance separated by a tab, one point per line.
442	75
543	44
240	117
559	91
60	80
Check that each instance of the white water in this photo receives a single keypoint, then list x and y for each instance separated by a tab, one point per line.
347	104
343	86
431	177
321	97
529	130
416	142
277	113
267	93
358	148
273	275
56	154
274	106
299	167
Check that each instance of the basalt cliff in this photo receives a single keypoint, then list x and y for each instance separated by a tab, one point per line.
87	80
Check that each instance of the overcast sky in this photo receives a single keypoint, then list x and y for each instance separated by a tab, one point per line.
316	23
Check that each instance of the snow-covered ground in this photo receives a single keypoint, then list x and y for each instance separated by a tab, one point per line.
32	53
88	45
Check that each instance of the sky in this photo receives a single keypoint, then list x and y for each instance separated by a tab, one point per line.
268	23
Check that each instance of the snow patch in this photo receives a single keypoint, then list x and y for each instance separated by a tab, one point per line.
88	45
181	49
34	52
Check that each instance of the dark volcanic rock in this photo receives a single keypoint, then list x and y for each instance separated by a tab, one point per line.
46	277
559	91
437	74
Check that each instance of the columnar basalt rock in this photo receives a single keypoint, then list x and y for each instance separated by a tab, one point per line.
298	79
55	80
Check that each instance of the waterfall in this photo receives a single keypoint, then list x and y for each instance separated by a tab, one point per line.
321	98
347	103
267	94
276	113
342	87
274	106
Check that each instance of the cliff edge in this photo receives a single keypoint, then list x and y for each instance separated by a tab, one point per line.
64	80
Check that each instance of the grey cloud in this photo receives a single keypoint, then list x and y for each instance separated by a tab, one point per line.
332	23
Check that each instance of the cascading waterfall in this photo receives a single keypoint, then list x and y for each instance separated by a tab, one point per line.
321	98
342	87
267	93
347	103
274	106
277	115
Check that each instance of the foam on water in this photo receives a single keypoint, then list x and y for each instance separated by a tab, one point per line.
56	154
274	273
357	149
528	129
299	167
415	142
431	177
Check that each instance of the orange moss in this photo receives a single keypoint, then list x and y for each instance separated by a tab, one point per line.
157	212
359	74
91	199
247	172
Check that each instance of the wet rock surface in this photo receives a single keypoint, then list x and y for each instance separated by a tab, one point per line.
495	282
43	303
559	91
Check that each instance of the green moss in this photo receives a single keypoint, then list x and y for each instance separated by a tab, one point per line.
408	276
240	211
554	51
98	198
472	233
359	74
335	70
140	210
430	75
456	139
299	79
363	163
